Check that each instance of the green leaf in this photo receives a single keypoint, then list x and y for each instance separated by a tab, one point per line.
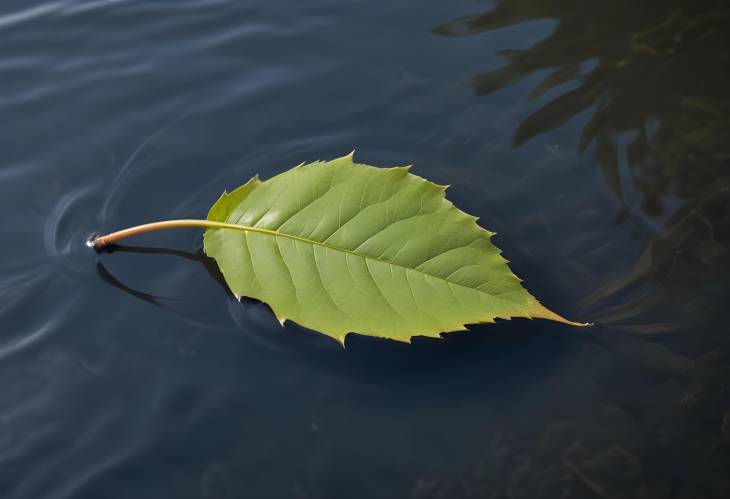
342	247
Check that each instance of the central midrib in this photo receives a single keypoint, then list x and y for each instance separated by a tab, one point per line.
261	230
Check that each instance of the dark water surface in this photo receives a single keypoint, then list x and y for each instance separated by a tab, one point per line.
592	136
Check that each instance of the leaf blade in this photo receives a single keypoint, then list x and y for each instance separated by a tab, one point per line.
341	247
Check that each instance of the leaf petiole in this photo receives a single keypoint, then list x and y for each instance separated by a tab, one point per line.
100	242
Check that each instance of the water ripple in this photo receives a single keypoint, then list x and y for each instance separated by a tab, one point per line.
133	167
68	226
37	334
15	288
29	14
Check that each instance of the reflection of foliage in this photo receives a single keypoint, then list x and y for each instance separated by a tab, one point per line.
653	73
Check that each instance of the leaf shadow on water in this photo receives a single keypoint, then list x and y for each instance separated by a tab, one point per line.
654	79
488	351
177	306
480	360
193	256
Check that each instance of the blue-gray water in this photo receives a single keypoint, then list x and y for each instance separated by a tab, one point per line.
593	137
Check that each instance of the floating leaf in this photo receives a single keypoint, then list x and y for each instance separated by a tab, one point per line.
341	247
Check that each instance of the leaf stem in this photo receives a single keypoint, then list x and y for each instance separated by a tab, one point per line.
100	242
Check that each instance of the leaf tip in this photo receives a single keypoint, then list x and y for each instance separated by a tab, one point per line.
578	324
545	313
